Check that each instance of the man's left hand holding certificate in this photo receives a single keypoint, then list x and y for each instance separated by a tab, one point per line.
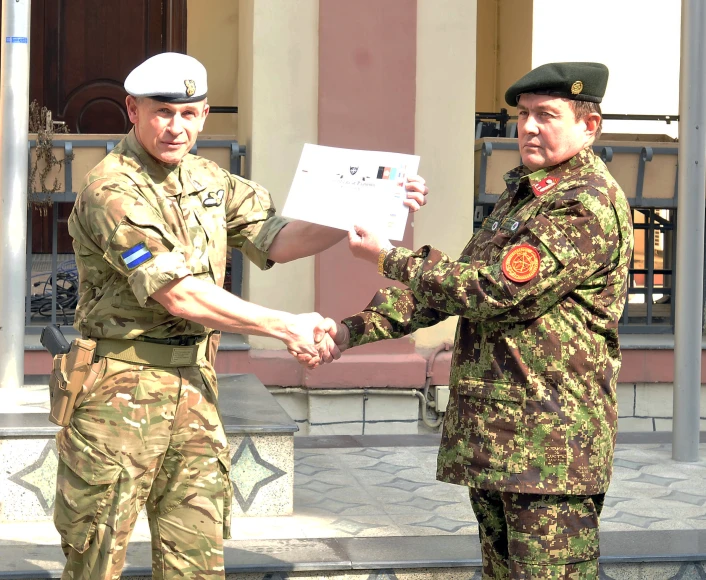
342	188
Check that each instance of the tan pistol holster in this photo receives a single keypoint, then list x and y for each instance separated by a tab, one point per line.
72	377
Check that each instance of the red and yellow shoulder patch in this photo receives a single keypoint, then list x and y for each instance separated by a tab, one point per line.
521	263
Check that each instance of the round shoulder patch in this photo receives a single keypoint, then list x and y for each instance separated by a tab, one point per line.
521	263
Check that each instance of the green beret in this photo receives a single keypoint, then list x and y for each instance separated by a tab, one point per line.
581	81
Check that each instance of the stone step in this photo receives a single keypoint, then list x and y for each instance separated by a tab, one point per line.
31	551
260	435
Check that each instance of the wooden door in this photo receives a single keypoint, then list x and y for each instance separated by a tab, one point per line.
81	52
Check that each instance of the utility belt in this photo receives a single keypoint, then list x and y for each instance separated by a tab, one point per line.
169	352
76	366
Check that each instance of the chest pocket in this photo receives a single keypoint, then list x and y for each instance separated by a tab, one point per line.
210	251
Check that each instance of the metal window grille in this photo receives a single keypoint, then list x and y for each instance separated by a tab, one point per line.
52	281
650	304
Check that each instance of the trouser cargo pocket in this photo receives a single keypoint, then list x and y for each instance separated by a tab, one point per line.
85	487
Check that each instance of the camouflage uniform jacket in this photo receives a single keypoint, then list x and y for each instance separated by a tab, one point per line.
533	405
138	224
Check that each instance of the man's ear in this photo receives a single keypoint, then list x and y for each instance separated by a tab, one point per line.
593	121
206	109
131	104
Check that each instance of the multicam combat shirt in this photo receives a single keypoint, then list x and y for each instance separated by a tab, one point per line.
539	290
138	224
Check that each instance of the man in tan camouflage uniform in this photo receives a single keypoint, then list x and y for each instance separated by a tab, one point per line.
150	230
531	423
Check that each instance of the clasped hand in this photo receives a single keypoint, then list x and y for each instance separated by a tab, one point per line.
314	340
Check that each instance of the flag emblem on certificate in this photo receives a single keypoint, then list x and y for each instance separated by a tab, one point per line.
135	256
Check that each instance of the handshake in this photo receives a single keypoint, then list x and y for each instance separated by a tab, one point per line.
314	340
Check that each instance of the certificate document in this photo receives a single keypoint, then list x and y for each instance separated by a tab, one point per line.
341	188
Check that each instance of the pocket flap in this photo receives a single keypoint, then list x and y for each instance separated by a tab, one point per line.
492	390
554	239
85	460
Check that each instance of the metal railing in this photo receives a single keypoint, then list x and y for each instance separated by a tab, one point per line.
51	293
503	124
650	306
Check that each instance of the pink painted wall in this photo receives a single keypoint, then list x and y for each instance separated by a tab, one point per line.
367	80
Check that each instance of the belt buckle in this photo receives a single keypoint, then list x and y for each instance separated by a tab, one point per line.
182	355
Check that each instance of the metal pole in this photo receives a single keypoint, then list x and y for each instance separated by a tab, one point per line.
14	126
690	233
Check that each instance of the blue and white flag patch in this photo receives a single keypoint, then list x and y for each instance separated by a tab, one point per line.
136	256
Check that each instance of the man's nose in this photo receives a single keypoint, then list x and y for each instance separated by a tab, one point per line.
530	124
176	125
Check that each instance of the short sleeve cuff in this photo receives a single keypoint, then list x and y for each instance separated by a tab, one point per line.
257	249
157	273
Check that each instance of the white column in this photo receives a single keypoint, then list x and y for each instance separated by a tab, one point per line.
14	121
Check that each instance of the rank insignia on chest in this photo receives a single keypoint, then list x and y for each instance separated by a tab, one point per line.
521	263
490	224
136	255
214	199
543	186
510	225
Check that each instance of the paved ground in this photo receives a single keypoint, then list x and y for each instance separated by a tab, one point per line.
372	502
391	491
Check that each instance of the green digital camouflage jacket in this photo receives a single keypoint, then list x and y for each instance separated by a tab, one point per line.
138	224
539	290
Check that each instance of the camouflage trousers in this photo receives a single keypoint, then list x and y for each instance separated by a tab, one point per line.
151	437
538	537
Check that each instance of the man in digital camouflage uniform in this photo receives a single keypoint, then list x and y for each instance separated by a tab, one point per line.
531	423
150	230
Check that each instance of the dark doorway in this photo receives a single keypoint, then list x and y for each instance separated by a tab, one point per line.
80	53
82	50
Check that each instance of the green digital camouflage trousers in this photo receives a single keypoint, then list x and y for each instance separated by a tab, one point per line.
538	537
150	437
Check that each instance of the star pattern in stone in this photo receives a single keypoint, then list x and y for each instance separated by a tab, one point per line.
335	506
441	523
319	486
353	527
654	479
250	473
423	503
310	470
40	477
386	467
404	484
371	452
383	575
634	520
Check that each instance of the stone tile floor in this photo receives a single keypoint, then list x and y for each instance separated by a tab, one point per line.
391	491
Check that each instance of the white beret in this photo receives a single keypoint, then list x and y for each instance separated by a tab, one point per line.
170	77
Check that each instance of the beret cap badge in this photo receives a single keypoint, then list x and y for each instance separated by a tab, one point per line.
190	88
576	88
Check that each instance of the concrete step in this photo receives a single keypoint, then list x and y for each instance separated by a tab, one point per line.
31	551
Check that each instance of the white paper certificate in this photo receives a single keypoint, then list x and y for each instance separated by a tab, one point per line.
341	188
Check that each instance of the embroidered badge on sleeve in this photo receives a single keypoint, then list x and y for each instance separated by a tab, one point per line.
521	263
135	256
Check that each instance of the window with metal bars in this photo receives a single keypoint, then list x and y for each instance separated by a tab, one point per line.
650	305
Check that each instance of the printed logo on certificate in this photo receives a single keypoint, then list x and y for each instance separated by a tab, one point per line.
341	188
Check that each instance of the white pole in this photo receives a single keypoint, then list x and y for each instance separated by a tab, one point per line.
14	121
691	205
